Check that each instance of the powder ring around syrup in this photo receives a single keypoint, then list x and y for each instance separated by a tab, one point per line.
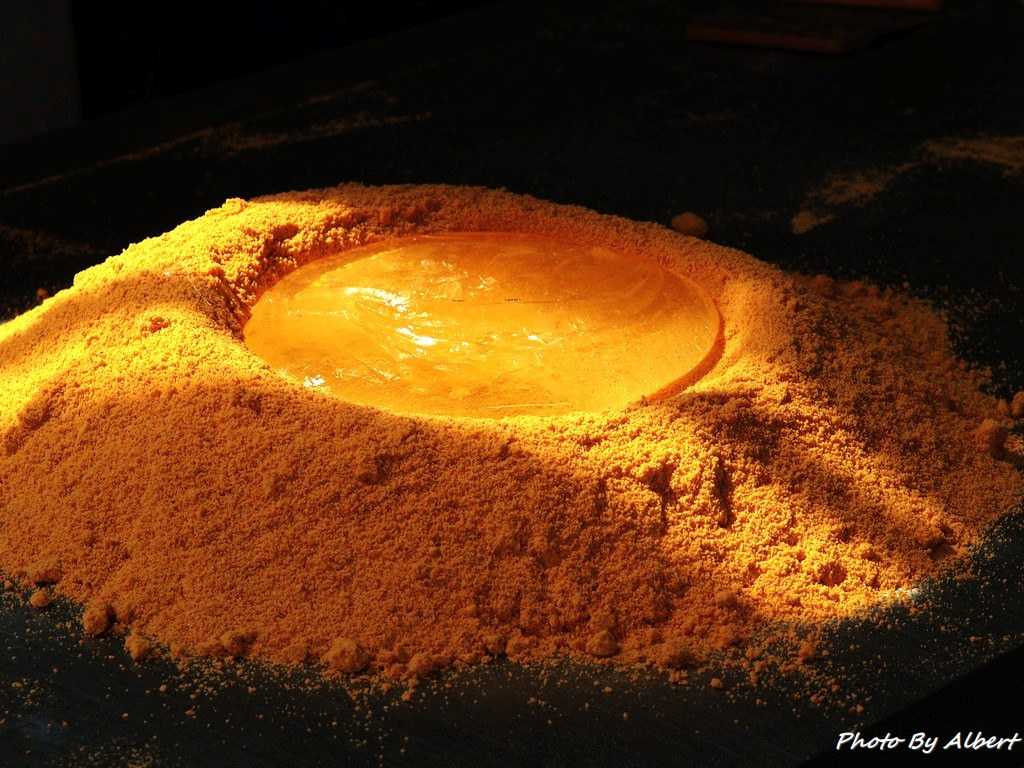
176	483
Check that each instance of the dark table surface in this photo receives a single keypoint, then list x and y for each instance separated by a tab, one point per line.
603	104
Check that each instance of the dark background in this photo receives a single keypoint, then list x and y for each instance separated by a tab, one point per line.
132	53
64	61
603	104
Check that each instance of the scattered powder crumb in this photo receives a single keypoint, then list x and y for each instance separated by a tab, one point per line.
421	664
602	644
40	598
823	285
857	188
235	140
346	655
861	187
34	242
806	220
1006	152
139	648
823	464
689	223
1017	406
97	617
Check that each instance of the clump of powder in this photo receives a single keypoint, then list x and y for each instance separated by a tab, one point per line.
835	453
1006	152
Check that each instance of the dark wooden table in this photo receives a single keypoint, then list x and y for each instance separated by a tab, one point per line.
603	104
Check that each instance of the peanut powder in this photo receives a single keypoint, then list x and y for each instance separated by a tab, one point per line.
157	471
860	188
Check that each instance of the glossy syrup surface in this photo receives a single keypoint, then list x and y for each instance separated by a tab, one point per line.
484	324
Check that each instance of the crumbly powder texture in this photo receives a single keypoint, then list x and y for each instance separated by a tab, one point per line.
154	469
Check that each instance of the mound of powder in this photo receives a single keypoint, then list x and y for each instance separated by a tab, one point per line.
166	477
